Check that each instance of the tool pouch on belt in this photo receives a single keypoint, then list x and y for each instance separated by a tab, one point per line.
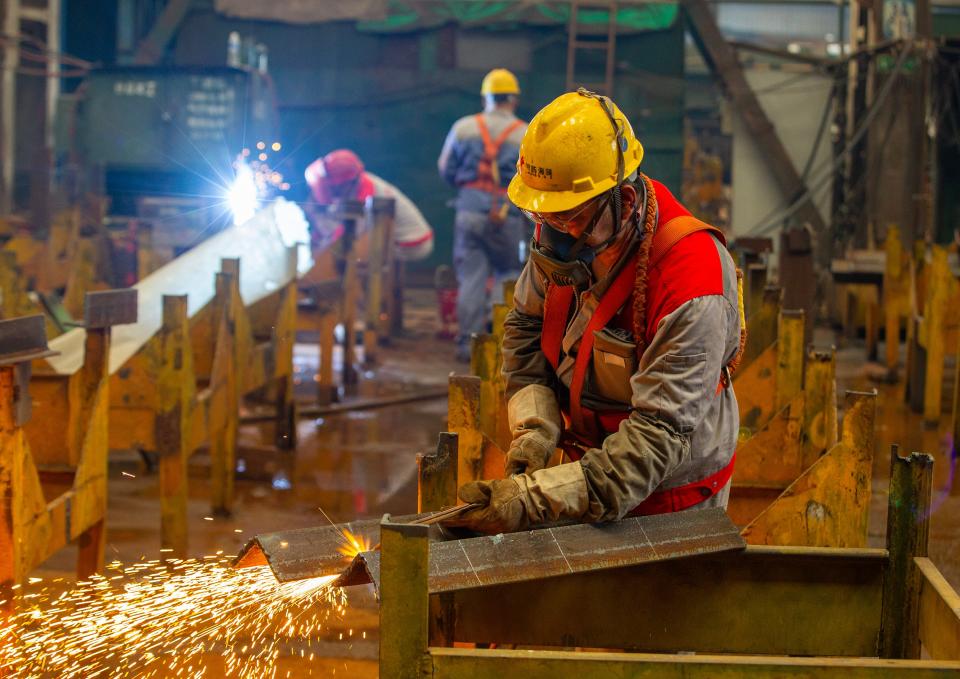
614	363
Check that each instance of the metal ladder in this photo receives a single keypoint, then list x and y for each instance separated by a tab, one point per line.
575	42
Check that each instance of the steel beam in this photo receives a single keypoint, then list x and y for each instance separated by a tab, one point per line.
466	663
767	600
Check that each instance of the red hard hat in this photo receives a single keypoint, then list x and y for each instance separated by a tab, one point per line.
342	166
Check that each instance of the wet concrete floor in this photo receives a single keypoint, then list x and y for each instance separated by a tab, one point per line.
362	464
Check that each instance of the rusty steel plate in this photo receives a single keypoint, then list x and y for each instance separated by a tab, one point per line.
562	550
106	308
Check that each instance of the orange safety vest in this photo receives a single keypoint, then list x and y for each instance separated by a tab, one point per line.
585	425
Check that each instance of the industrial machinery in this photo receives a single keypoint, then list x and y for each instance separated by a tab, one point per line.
167	145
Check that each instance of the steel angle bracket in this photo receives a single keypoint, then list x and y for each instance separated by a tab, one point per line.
107	308
311	552
550	552
23	340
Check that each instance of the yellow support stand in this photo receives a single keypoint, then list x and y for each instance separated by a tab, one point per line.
479	457
828	505
896	295
176	393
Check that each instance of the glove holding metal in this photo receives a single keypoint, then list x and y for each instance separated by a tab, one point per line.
535	422
501	507
516	503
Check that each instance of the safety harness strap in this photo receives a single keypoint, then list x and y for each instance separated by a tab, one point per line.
488	171
686	496
556	311
676	230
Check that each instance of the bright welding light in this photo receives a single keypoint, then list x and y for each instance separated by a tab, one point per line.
242	195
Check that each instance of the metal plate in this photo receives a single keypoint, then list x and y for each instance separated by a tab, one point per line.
107	308
550	552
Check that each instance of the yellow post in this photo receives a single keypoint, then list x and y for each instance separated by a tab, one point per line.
14	301
955	439
756	285
790	349
327	297
940	286
374	301
908	531
501	431
283	338
11	454
828	504
83	275
463	419
484	363
895	289
175	395
437	475
224	400
762	325
820	405
404	599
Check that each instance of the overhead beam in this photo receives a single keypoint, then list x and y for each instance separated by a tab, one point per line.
722	59
151	48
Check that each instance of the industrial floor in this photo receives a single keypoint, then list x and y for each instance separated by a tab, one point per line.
363	464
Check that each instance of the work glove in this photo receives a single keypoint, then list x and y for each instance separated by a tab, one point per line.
518	502
534	417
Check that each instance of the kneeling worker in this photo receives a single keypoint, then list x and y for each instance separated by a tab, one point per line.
626	327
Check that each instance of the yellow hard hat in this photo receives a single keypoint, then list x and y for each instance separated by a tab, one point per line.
500	81
575	148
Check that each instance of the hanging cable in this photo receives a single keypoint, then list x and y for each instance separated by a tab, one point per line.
825	172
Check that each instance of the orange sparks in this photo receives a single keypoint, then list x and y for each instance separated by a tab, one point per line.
354	544
157	619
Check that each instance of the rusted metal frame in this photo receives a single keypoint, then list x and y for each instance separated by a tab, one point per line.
939	615
39	527
151	48
723	61
479	456
468	663
762	323
780	601
828	504
437	475
908	529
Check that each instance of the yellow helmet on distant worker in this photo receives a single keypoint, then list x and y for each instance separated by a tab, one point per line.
575	148
499	81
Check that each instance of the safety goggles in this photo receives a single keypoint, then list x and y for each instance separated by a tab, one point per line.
562	221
